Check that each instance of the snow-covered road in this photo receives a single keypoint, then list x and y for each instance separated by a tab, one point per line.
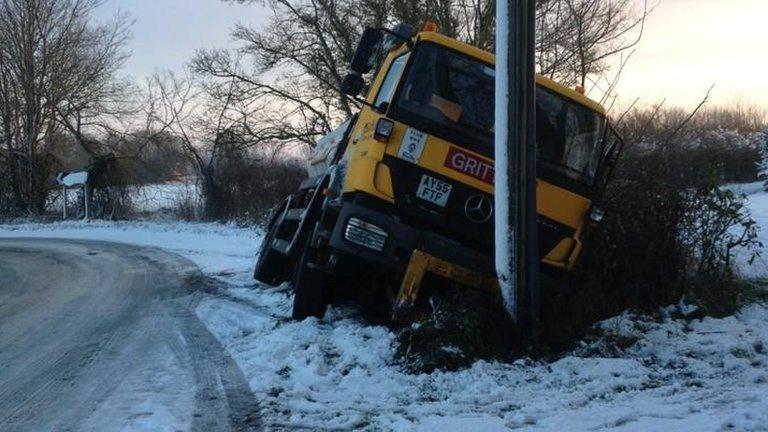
102	336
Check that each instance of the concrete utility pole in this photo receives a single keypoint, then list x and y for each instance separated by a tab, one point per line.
517	257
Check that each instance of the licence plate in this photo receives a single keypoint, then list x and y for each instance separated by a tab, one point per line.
434	190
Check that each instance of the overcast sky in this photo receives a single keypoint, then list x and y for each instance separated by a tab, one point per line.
166	33
691	44
688	45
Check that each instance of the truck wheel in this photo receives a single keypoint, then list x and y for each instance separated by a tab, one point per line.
272	267
309	287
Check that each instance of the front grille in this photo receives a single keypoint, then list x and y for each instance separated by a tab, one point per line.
365	234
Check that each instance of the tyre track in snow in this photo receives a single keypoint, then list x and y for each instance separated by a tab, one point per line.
103	336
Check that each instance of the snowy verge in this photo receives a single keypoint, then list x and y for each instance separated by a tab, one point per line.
338	374
757	204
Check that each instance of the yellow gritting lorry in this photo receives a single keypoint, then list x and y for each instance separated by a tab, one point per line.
405	187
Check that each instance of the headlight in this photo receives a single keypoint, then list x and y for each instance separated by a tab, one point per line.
365	234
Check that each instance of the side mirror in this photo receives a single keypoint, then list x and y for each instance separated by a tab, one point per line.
610	157
352	84
362	61
402	33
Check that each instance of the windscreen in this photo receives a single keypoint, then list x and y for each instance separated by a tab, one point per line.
451	95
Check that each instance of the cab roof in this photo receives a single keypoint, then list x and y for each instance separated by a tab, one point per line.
490	58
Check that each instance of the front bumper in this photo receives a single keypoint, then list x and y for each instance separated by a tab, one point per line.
402	239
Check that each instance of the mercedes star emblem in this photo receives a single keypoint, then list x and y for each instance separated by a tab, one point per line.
478	208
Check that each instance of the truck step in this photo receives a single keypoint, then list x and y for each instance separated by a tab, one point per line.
295	214
281	246
310	182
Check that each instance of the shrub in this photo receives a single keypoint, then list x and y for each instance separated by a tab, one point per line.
719	141
762	164
8	207
186	207
667	234
110	194
243	187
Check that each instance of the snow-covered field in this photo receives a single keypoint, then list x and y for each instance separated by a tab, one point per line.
155	198
163	197
757	204
338	373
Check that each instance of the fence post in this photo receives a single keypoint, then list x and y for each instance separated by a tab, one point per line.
64	193
87	200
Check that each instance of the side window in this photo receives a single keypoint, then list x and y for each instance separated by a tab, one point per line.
389	85
609	157
568	136
583	136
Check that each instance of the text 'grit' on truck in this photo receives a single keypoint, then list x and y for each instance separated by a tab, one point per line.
405	187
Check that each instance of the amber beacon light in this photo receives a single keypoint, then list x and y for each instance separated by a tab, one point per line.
430	26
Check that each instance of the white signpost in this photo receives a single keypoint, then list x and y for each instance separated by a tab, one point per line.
71	179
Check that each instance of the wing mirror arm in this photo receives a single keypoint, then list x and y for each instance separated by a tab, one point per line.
352	86
379	109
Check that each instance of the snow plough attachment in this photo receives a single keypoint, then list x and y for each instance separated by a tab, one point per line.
408	308
403	191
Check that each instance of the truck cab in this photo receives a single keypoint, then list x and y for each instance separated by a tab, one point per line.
405	187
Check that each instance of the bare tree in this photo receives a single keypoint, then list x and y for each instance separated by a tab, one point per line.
300	59
54	65
302	54
205	125
211	123
577	38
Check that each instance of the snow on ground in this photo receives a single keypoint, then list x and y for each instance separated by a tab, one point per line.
163	197
151	198
745	188
219	250
339	373
757	203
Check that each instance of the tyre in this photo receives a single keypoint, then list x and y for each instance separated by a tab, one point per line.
272	267
310	287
